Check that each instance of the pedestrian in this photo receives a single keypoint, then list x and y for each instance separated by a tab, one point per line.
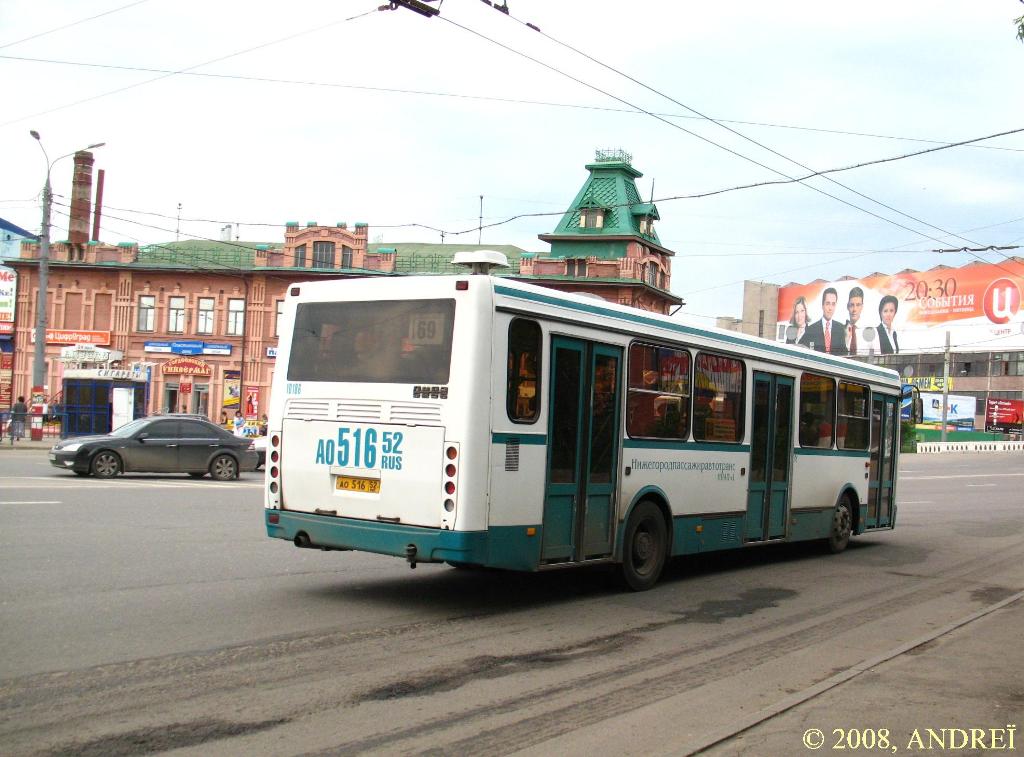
19	411
239	424
224	419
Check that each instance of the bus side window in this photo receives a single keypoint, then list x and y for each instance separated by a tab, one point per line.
718	398
817	411
852	425
523	389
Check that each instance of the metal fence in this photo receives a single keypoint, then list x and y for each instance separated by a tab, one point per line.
36	426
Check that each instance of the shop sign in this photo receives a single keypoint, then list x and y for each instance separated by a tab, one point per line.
187	348
931	383
113	374
6	327
69	336
272	352
186	366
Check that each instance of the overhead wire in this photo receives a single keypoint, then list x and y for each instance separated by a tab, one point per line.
186	69
483	98
731	130
747	158
73	23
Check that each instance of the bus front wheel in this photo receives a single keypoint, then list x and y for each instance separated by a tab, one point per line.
842	528
645	547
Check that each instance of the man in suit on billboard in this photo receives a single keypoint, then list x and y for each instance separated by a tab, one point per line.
826	335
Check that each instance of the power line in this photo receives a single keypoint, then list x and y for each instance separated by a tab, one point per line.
177	72
73	23
734	131
482	98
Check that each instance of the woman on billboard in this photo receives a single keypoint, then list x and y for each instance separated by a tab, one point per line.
887	308
797	322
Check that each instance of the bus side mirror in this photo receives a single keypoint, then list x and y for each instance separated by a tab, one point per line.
918	409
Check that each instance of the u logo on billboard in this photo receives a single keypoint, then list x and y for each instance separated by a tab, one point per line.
1002	301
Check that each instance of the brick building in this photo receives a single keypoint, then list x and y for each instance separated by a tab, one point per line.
199	319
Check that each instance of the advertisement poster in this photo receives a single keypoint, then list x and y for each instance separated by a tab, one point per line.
6	380
232	388
1004	416
8	292
908	312
960	413
252	402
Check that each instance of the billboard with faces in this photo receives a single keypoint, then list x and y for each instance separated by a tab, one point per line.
908	312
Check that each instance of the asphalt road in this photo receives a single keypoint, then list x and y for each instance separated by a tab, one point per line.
150	614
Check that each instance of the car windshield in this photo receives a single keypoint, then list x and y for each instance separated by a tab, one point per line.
130	428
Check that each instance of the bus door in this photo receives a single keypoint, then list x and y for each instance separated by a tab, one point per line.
770	451
583	445
882	472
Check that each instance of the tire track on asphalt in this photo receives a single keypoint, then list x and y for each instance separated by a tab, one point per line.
72	700
534	730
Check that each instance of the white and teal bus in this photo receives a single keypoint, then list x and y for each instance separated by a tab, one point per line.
479	421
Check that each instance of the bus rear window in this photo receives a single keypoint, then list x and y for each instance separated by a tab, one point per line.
395	342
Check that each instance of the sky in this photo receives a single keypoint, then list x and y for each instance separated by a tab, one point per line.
258	113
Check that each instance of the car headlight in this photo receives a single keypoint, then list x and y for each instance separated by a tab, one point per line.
70	447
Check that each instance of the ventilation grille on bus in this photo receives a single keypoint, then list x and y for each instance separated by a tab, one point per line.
512	455
729	532
416	415
308	409
358	411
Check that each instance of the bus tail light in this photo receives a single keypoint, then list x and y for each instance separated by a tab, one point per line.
273	471
450	484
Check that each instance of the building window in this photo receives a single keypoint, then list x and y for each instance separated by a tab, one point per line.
523	398
577	268
346	256
176	315
592	218
204	321
147	312
718	400
658	404
236	317
323	254
300	256
277	321
652	274
817	410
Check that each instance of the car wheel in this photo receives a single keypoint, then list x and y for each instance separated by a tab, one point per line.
197	475
105	464
224	468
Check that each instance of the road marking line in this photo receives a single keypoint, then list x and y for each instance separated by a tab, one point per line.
970	486
30	502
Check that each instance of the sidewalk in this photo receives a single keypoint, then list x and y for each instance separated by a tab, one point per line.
27	444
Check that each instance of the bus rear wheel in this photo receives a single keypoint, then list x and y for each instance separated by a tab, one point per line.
842	528
645	547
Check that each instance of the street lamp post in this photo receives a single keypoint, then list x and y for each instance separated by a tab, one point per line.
39	355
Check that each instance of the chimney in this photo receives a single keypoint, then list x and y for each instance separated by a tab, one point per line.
98	214
81	205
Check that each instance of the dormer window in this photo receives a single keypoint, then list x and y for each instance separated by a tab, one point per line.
591	218
647	225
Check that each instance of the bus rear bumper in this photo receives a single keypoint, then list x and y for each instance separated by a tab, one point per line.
329	532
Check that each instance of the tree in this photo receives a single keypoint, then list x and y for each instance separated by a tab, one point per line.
1020	26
